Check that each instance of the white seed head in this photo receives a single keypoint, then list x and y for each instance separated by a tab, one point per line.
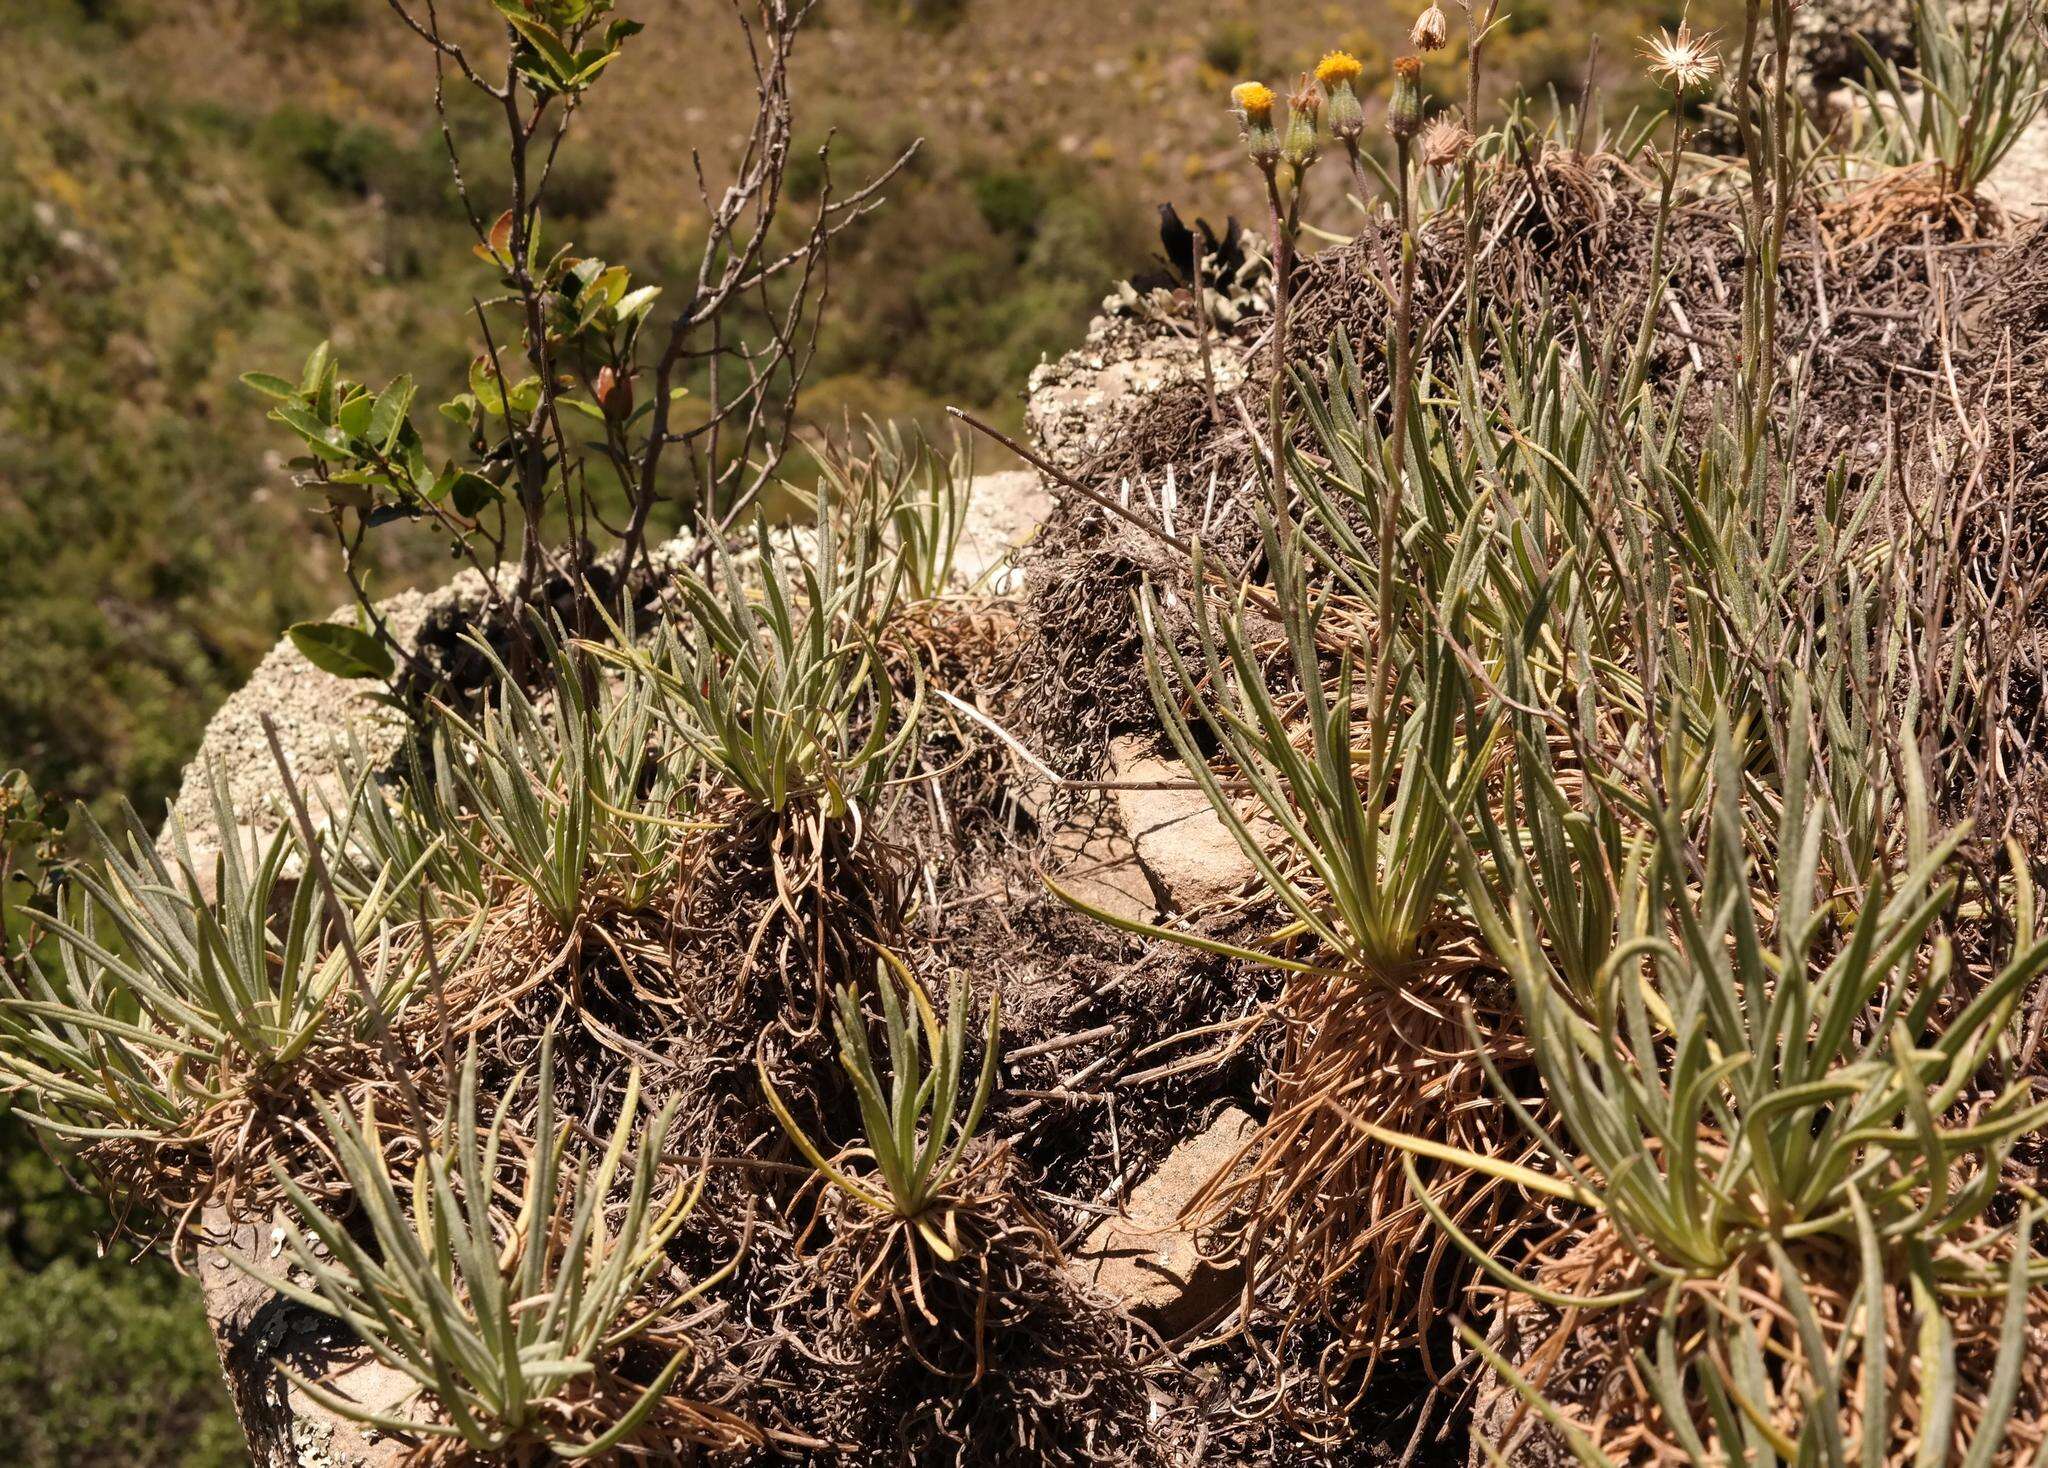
1683	62
1432	30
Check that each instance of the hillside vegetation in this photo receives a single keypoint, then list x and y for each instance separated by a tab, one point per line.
191	191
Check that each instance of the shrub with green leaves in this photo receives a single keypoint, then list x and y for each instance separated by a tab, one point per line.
364	449
31	855
572	408
110	1364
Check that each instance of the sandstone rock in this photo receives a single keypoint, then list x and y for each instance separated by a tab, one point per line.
1157	847
1003	512
1091	856
253	1328
2019	185
1183	844
1079	402
1149	1259
317	716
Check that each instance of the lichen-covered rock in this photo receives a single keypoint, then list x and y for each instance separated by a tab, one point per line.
1080	403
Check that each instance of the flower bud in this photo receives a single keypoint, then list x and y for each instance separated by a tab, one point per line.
1432	31
1337	72
1253	104
614	394
1404	108
1304	127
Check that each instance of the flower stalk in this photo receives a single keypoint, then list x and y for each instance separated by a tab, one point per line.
1683	63
1404	119
1477	24
1254	104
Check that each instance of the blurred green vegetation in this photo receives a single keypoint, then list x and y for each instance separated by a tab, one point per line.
103	1359
981	266
159	248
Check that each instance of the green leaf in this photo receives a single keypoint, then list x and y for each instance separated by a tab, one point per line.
590	68
612	284
271	386
354	415
546	43
525	395
318	366
592	306
472	493
344	651
328	442
636	304
412	454
486	387
389	415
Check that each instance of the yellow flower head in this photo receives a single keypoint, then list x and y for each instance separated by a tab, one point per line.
1254	102
1339	68
1336	72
